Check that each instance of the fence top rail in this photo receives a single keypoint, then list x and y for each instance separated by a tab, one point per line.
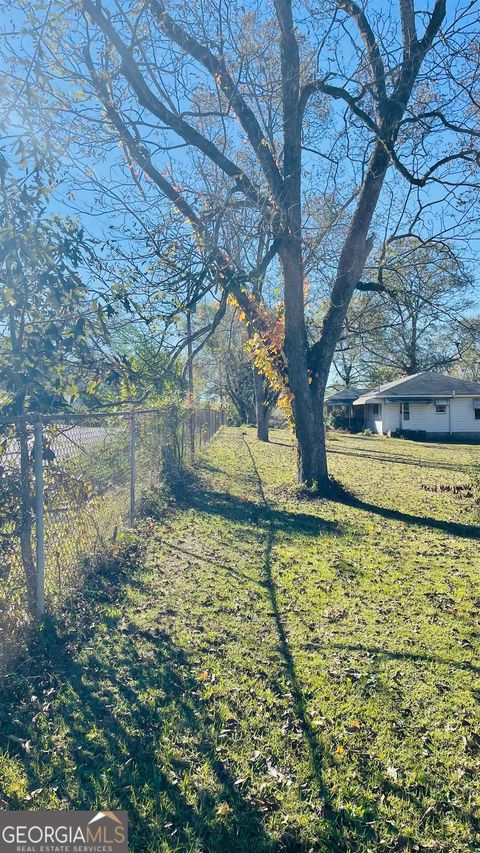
74	416
35	417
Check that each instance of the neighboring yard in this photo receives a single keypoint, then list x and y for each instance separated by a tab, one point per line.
277	674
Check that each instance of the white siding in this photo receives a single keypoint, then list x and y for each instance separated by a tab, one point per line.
391	417
463	415
373	422
388	417
424	417
460	419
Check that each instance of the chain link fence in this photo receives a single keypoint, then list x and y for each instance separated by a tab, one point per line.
68	484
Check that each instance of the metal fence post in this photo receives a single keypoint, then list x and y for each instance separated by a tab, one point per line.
39	518
133	465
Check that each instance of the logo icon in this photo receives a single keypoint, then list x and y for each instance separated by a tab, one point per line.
101	815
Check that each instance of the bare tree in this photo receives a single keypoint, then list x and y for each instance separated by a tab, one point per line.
419	319
171	76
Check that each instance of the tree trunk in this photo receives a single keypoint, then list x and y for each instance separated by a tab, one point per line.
353	256
26	520
307	412
251	416
262	405
312	452
308	371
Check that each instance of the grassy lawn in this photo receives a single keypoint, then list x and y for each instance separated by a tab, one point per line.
275	673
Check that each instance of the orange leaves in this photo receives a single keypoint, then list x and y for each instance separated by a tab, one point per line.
265	344
262	353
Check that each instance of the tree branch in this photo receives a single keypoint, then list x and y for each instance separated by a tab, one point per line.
231	280
434	25
290	63
219	315
338	93
148	99
265	262
457	128
216	67
372	287
407	19
470	155
375	60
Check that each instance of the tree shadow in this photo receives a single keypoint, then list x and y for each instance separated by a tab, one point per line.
194	495
116	701
231	570
398	459
413	656
292	446
102	744
388	456
453	528
342	824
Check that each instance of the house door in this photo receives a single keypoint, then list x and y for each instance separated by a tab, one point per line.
404	415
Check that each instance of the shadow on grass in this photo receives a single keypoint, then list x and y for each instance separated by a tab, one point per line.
379	651
344	828
125	720
397	459
341	830
388	456
336	492
231	570
466	531
191	492
129	719
292	446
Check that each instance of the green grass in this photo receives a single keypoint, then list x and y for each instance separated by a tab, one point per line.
263	671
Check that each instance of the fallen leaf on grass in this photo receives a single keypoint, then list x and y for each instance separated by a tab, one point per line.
262	803
277	774
34	794
25	744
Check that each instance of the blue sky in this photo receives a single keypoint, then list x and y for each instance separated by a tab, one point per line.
98	222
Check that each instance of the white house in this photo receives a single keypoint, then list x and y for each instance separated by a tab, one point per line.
428	405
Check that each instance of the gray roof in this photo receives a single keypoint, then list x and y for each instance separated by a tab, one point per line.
425	385
345	395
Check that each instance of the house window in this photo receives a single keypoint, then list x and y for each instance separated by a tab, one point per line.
406	411
375	409
477	414
440	410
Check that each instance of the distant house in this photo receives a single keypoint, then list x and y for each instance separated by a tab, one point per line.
427	405
340	404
